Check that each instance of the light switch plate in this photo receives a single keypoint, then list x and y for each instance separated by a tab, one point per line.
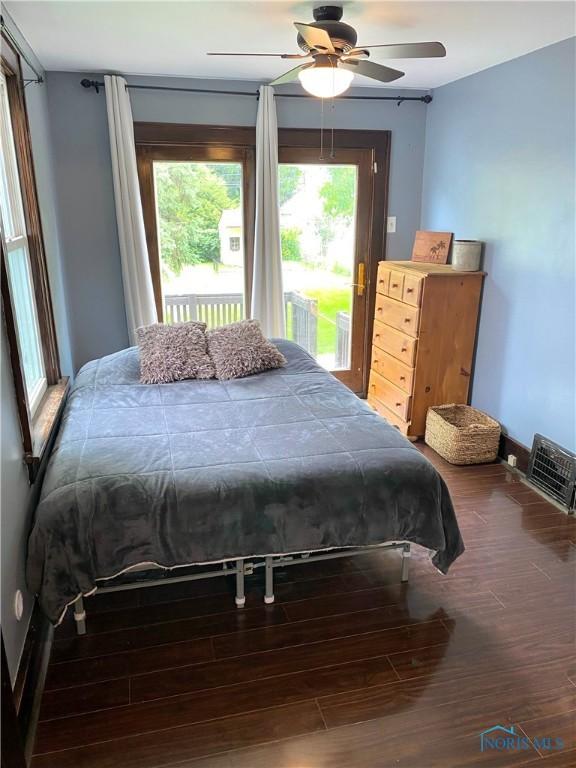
391	224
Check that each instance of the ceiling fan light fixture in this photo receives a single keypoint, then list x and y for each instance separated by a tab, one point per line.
325	81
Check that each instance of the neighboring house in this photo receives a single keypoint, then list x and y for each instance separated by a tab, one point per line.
231	238
303	211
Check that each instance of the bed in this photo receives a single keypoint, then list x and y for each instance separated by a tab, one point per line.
250	471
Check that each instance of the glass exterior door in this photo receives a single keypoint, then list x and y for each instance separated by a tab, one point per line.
323	256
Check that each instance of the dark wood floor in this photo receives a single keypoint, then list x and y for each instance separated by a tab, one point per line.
349	669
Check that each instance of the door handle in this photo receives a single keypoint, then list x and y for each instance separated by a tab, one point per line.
361	279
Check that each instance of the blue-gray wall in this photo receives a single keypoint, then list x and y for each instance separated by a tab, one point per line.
84	180
88	233
499	167
17	498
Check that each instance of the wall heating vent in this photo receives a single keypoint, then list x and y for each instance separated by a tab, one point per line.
553	469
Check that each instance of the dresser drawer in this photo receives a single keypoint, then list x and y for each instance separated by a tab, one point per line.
401	316
396	285
393	370
383	279
412	291
391	417
397	344
392	397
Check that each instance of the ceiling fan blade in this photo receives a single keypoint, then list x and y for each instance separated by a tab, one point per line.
277	55
316	38
292	75
369	69
406	50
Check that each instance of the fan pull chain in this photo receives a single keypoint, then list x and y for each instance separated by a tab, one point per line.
332	115
332	153
321	130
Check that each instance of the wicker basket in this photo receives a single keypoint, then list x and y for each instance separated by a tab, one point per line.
461	434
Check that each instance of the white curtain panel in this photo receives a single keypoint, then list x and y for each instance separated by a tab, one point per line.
138	288
267	292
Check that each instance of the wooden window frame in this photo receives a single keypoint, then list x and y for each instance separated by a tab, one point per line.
38	431
159	141
151	137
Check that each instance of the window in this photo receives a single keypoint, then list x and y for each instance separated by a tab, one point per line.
26	302
199	215
18	261
198	204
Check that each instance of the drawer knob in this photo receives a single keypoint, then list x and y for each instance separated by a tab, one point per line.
394	285
379	309
406	319
398	405
404	349
402	378
377	336
409	290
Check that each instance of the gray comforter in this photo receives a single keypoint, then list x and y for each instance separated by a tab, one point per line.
199	471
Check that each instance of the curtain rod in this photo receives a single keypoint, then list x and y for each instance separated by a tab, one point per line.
96	84
15	44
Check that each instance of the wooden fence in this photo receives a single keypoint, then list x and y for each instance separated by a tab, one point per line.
211	308
342	340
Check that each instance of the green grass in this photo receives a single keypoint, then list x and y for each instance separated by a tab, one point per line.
330	302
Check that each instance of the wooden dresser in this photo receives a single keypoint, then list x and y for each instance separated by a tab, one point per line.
423	342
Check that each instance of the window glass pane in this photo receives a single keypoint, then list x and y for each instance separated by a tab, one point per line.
22	294
7	222
201	240
317	231
10	196
18	260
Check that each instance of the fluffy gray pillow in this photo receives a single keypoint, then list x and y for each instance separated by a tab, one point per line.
240	349
173	352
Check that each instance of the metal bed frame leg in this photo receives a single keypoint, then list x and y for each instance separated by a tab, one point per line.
269	594
405	562
80	616
240	598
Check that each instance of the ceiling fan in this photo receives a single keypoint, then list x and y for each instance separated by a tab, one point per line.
331	44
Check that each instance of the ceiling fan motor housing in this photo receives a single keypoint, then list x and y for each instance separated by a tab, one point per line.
328	13
327	17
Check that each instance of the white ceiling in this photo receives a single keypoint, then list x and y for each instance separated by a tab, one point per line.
172	38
